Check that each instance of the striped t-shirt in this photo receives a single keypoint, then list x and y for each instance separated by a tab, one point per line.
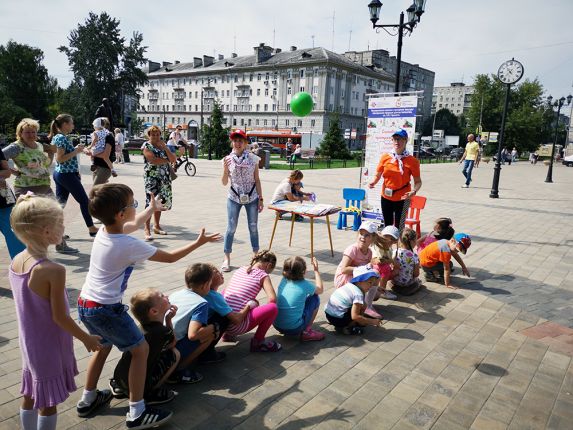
242	288
342	300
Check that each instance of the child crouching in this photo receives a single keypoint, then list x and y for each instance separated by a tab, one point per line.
435	258
345	309
151	307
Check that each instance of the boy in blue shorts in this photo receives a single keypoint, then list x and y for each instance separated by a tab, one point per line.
114	254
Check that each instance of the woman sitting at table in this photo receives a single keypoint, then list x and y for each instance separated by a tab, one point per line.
284	191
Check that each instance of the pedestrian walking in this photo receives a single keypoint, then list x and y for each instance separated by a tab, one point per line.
469	158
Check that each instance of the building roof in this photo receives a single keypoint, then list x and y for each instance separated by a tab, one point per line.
281	59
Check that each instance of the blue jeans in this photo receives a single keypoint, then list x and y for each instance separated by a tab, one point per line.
70	183
468	167
233	209
14	245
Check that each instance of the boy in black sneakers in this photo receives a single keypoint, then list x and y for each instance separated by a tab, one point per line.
151	307
114	254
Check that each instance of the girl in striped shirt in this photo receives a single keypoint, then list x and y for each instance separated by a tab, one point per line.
243	289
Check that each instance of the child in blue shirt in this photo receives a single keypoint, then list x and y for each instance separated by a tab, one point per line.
298	301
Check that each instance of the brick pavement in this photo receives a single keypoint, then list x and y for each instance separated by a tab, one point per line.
489	355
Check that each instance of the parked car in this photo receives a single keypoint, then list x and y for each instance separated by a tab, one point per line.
134	143
568	161
269	147
426	153
456	153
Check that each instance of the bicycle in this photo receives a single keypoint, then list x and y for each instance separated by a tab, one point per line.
190	168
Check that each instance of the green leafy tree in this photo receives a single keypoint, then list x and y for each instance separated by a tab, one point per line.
103	65
25	83
528	124
333	144
215	137
445	120
136	124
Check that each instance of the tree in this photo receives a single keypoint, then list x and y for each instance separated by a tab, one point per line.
527	118
25	83
103	65
445	120
214	137
333	144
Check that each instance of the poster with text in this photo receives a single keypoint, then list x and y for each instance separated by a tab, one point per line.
385	116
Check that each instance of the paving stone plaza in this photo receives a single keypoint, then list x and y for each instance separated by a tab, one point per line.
494	354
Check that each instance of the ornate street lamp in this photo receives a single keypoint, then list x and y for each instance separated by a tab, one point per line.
415	12
558	104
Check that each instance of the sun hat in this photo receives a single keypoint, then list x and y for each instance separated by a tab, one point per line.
370	227
238	133
464	240
391	230
400	133
363	273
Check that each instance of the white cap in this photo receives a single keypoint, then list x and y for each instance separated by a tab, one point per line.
363	273
370	227
391	230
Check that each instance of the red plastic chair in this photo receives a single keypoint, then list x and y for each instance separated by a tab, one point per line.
417	203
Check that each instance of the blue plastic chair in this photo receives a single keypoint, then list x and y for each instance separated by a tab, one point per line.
352	197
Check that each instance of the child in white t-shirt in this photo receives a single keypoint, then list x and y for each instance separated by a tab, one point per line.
114	254
406	281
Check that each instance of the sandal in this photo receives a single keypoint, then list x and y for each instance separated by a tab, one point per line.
148	237
159	231
265	346
225	267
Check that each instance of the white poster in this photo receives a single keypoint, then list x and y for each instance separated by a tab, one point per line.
385	116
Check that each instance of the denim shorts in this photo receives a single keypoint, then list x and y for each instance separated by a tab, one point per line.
186	347
113	324
311	304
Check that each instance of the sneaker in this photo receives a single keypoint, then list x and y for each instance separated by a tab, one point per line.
103	398
151	417
212	357
371	312
117	391
65	237
465	186
353	330
311	335
388	295
160	396
186	376
63	248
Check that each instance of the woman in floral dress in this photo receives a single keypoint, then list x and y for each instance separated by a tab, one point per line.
157	177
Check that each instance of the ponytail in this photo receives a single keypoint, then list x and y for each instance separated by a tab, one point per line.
407	237
264	256
57	124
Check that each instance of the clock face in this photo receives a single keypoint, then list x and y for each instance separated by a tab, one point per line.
510	72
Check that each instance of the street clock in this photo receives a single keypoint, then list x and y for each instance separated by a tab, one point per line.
510	72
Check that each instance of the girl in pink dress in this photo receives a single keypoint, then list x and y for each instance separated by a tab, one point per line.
45	326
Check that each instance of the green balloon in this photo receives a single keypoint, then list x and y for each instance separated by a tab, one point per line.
301	104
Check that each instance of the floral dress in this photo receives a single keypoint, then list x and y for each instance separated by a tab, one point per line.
156	177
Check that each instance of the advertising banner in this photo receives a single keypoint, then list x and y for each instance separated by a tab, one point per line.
385	116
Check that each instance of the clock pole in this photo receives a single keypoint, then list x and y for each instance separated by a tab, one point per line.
494	194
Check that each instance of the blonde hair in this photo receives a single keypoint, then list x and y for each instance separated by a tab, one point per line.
379	241
117	130
264	256
142	302
152	128
30	216
26	123
57	124
295	175
406	238
98	123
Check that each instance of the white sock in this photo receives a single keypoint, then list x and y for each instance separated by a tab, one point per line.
136	409
29	419
88	397
47	422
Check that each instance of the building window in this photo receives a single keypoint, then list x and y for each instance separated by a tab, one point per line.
234	121
265	122
287	122
273	122
288	107
274	107
274	91
258	76
256	122
196	94
299	123
242	121
289	90
312	122
266	108
267	76
250	80
258	107
302	73
258	91
190	94
302	88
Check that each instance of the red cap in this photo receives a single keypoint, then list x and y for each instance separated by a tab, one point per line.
238	133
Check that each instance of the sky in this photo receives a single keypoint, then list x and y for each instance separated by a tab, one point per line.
457	39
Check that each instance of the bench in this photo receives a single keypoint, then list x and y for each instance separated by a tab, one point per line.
306	156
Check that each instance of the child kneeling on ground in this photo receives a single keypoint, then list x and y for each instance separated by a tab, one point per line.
298	301
345	308
435	258
151	307
406	282
192	331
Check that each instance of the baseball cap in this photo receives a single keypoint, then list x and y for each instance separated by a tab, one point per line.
370	227
238	133
391	230
363	273
400	133
464	240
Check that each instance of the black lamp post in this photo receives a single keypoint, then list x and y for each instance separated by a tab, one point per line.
558	103
414	12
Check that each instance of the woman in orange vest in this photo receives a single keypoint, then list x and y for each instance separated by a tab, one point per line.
397	168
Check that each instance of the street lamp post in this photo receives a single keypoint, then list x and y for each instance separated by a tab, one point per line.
414	12
558	103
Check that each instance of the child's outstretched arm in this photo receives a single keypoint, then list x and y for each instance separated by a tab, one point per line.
458	258
179	253
154	206
317	278
57	279
356	314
